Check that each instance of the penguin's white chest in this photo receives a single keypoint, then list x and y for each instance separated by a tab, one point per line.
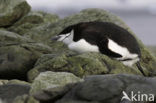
82	46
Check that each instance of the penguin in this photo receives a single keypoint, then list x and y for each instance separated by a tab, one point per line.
103	37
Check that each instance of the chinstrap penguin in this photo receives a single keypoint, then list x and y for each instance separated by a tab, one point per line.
104	37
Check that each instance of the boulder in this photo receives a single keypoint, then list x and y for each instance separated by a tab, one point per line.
2	82
32	18
110	88
31	24
18	55
25	99
50	79
9	92
15	91
152	49
80	65
52	94
12	10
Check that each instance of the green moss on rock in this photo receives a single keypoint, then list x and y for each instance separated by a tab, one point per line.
12	10
25	99
152	49
80	65
50	79
18	54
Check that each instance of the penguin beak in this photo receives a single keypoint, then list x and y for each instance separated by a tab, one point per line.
55	38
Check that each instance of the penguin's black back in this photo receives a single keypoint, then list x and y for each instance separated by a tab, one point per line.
98	33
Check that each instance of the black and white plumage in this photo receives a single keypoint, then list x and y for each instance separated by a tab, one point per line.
104	37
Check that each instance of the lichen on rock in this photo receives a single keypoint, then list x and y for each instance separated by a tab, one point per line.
50	79
18	54
12	10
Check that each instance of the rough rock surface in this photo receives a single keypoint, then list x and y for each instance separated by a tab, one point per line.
18	54
152	49
12	10
109	88
80	65
52	80
32	24
52	94
9	92
25	99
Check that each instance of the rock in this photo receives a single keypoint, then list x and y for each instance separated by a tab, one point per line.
37	18
25	99
109	88
52	94
2	82
49	18
30	22
12	10
15	81
12	90
152	49
18	55
52	80
80	65
9	92
31	17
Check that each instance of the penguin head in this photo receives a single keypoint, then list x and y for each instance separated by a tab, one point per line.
66	36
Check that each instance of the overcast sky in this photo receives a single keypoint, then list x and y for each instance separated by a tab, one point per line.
81	4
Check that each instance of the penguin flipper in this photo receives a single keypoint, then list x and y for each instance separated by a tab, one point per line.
103	47
140	68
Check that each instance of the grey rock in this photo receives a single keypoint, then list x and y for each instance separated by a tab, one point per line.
31	17
79	64
109	88
25	99
12	10
9	92
32	23
52	94
2	82
18	54
52	80
152	49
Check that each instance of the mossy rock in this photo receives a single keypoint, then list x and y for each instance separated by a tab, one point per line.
31	17
25	99
80	65
30	23
11	89
152	49
8	92
18	55
12	10
48	79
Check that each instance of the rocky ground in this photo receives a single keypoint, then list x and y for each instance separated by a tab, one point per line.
33	69
152	49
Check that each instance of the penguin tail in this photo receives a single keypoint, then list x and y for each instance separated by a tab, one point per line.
140	68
